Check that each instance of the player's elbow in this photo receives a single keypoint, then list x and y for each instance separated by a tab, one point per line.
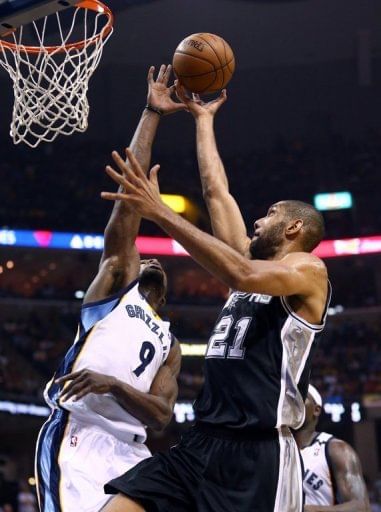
214	190
161	418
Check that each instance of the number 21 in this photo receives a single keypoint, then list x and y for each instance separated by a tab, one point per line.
218	346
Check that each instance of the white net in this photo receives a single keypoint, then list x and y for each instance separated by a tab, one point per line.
50	82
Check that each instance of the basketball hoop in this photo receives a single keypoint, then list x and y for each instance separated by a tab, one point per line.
50	82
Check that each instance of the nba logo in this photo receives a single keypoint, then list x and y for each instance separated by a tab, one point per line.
73	441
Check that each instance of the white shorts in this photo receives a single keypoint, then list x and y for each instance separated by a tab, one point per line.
88	457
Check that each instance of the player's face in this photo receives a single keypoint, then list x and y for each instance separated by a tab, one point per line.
268	233
153	276
312	411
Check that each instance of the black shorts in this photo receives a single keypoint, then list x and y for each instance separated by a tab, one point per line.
208	471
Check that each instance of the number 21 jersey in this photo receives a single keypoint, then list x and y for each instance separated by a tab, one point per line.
257	364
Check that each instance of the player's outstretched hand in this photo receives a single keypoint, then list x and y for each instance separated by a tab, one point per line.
196	106
141	192
312	508
83	382
160	96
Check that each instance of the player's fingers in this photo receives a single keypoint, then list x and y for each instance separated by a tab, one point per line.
68	376
180	106
125	182
223	96
161	73
120	162
118	178
151	71
70	391
153	175
180	92
172	89
135	165
176	106
84	391
122	179
167	74
115	196
73	382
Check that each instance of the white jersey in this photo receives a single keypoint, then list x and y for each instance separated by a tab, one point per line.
120	336
317	481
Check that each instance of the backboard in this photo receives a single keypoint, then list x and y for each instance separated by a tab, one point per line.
15	13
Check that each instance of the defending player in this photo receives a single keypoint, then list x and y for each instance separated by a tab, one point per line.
241	455
120	374
333	480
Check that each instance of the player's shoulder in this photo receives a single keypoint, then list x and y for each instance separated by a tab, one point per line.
306	262
339	445
341	453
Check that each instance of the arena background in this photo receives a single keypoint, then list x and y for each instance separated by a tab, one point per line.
303	117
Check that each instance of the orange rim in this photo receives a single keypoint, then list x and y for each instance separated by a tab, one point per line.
92	5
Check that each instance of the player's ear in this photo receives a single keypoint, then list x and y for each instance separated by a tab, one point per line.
317	411
294	227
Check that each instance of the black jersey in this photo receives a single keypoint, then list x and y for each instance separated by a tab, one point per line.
257	364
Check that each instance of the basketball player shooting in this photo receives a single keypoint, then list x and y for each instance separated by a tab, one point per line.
120	374
241	455
333	480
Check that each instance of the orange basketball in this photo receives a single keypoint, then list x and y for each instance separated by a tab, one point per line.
203	63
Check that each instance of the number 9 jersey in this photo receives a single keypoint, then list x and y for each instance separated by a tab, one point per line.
121	336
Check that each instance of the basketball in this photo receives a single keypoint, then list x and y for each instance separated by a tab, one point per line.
203	63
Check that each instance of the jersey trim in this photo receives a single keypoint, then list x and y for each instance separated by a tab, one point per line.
283	375
116	295
289	492
47	470
331	472
305	358
67	365
314	327
287	307
313	441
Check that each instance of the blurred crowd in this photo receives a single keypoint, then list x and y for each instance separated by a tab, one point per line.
17	496
290	169
347	362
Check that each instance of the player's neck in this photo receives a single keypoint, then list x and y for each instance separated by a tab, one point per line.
304	436
150	297
282	252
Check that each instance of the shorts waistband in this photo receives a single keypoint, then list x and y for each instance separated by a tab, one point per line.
126	437
236	434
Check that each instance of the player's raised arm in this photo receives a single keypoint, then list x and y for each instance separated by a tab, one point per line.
225	215
350	485
283	241
119	263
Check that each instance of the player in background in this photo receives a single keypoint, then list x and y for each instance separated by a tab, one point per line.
333	479
120	374
241	455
